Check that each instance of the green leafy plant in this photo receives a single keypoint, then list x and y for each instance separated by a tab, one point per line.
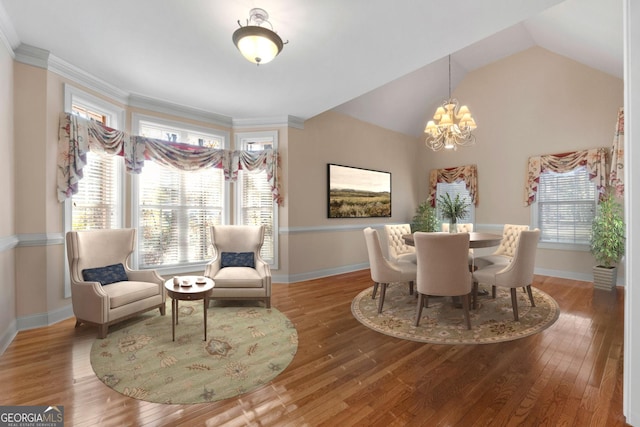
607	232
425	219
453	209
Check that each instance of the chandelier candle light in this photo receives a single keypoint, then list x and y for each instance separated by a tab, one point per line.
257	44
451	126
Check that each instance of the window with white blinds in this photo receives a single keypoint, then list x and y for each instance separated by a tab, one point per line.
98	202
174	208
453	189
565	206
254	201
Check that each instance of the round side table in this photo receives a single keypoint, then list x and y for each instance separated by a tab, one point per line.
194	290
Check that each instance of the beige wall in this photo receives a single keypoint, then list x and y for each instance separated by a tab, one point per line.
318	245
531	103
7	196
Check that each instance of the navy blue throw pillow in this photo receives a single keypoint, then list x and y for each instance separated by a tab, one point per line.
105	275
237	259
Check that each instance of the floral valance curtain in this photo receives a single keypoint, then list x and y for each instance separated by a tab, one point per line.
77	136
616	176
467	173
594	159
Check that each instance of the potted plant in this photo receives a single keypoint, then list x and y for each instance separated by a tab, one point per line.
425	219
453	209
607	241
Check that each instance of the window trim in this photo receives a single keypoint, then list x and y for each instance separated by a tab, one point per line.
136	118
238	144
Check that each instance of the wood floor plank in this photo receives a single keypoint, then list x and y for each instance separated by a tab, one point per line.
346	374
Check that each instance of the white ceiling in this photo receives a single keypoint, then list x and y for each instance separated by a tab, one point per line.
380	61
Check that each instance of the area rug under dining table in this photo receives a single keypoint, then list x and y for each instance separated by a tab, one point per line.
247	346
443	322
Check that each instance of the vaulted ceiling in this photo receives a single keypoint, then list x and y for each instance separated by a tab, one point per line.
363	58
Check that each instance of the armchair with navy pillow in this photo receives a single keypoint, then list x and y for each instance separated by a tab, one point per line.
237	269
104	290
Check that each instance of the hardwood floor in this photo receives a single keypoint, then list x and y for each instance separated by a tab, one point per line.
346	374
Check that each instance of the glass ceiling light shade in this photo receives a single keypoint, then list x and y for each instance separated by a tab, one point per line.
257	44
451	126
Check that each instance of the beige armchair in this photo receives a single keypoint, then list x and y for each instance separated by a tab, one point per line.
517	273
398	249
238	270
96	255
384	271
442	269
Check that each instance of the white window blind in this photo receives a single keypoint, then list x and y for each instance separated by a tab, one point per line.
566	204
255	204
175	208
453	189
96	205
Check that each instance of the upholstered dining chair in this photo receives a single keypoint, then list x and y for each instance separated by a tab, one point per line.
515	274
383	271
104	289
465	227
442	269
504	254
237	268
398	249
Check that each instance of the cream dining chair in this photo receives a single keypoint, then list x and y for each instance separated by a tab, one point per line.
517	273
398	249
383	271
442	269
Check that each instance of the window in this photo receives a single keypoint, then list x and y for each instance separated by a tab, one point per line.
453	189
98	203
99	200
254	200
565	206
173	210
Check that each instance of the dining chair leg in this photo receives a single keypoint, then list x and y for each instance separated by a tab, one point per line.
493	292
375	290
411	287
465	306
474	295
514	303
419	308
383	292
530	293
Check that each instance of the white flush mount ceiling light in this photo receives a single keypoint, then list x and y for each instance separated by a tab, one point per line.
451	126
256	42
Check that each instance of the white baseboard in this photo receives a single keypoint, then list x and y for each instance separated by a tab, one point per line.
292	278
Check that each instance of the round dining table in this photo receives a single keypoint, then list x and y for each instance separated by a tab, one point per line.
476	239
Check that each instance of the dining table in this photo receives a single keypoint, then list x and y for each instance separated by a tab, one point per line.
476	239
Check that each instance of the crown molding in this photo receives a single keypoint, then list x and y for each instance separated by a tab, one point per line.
269	122
75	74
152	104
42	58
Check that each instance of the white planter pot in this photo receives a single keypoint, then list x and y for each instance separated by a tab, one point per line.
605	278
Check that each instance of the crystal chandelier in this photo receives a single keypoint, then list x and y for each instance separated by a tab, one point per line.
257	44
451	126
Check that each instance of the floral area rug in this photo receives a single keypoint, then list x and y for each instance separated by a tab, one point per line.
443	323
246	347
